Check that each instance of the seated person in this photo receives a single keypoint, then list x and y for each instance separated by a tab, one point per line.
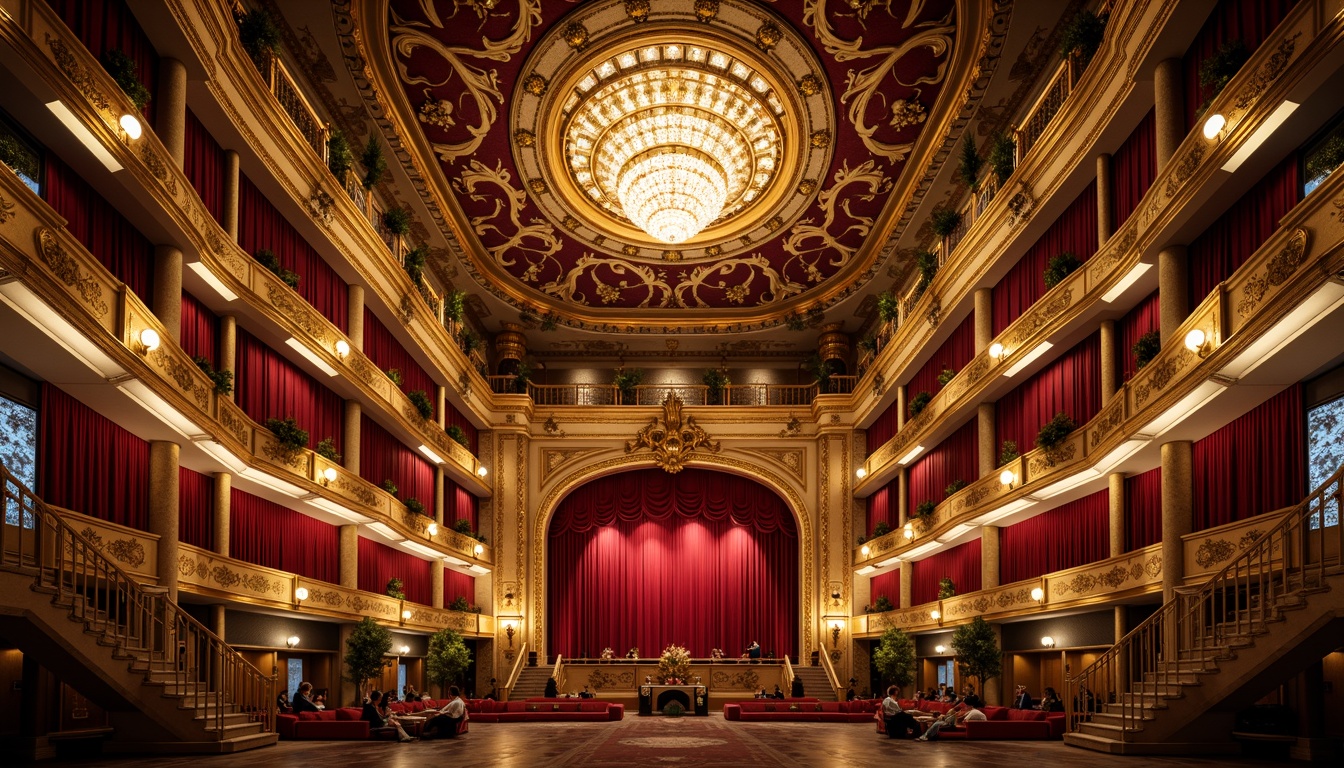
443	723
282	702
1050	701
898	724
379	719
754	650
796	690
761	694
948	720
1021	699
585	693
303	699
778	693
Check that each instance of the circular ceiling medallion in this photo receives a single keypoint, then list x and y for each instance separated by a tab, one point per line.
660	133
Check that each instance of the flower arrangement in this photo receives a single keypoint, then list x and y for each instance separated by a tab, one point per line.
716	654
633	653
674	665
607	655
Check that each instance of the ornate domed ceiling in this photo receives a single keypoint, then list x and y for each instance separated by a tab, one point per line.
675	164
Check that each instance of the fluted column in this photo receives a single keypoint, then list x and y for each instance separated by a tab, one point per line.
170	113
984	319
1105	192
350	435
163	512
354	319
228	349
1173	286
1177	511
167	298
1169	109
907	575
348	558
436	583
985	418
1110	360
232	175
989	556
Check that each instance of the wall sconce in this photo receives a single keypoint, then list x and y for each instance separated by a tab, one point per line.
1214	126
406	615
936	615
861	473
479	549
131	125
1048	641
909	531
342	348
865	550
482	471
300	594
997	351
149	341
328	476
835	634
938	649
292	641
1037	594
403	650
1007	477
1197	341
510	628
432	529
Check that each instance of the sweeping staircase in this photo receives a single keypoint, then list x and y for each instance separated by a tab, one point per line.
167	683
1175	683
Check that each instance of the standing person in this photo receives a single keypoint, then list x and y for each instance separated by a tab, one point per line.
796	690
303	699
446	722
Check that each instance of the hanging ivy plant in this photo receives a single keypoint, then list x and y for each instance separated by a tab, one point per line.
918	403
123	70
462	526
375	165
881	529
1146	348
268	259
946	588
260	35
946	376
888	307
457	435
326	448
390	487
1002	155
927	264
953	487
470	341
1081	36
415	507
1060	267
223	380
397	221
925	508
455	305
395	375
415	264
421	402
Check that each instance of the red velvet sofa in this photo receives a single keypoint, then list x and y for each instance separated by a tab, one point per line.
544	710
812	711
346	723
1001	723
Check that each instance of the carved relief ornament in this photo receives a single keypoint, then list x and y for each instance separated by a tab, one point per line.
674	440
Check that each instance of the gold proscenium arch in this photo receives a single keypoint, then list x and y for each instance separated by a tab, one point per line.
751	470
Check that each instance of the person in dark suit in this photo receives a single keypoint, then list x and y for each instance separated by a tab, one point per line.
1021	699
778	693
303	699
754	650
796	690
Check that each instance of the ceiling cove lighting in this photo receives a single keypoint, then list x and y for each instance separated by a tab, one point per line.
910	456
1130	278
1028	359
208	277
85	137
310	356
1266	129
431	455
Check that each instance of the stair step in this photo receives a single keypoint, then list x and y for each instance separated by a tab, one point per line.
1115	709
228	718
1117	719
1094	742
1108	731
234	729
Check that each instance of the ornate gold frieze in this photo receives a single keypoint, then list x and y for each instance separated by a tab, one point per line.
672	441
1280	268
66	268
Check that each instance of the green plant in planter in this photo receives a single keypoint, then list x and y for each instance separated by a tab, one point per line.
894	657
459	604
1082	36
390	487
888	306
368	644
259	34
716	381
291	437
462	526
821	371
918	403
968	169
953	487
881	529
1146	348
455	305
1060	267
397	221
627	382
375	165
868	344
421	402
479	537
415	507
1008	452
326	448
522	377
448	658
927	264
19	156
268	259
1002	155
1218	70
394	588
1054	432
925	508
946	588
944	221
946	376
883	604
470	341
415	264
456	434
122	68
340	159
395	375
862	539
223	380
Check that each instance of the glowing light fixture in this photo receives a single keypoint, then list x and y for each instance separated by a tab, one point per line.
149	340
329	474
996	350
939	649
131	126
1214	126
936	615
342	348
909	531
861	473
865	550
479	549
481	472
1007	477
301	594
1195	340
292	641
1037	594
405	649
1048	641
406	615
432	529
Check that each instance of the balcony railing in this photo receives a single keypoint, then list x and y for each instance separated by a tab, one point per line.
314	130
1047	105
690	394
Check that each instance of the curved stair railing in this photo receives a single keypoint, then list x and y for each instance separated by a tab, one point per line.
1202	624
151	633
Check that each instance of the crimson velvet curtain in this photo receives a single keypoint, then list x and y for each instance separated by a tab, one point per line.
265	533
1074	231
200	330
104	25
1143	509
954	354
884	506
645	559
204	166
1249	21
1071	534
955	458
960	563
886	585
1238	233
89	464
1146	316
458	503
384	457
884	428
262	227
266	386
107	235
1069	385
1133	168
458	584
387	353
379	563
195	508
1254	465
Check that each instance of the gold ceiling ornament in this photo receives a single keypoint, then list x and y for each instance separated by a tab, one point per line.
807	187
774	224
706	10
576	35
630	250
768	36
537	186
570	223
674	440
534	84
671	255
820	139
809	85
524	138
637	10
714	250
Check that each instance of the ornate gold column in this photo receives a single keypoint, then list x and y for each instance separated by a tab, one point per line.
514	588
907	574
348	559
902	407
1116	482
984	319
436	583
1105	191
350	435
989	556
228	348
1110	361
354	321
1169	101
231	181
835	498
1173	286
985	425
170	114
163	511
167	298
1178	506
441	405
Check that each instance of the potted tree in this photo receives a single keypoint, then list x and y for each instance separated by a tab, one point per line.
716	380
447	660
894	655
365	650
977	651
627	383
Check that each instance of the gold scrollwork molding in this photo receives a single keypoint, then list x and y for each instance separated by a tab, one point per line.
674	439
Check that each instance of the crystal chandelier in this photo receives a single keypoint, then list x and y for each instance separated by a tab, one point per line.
672	138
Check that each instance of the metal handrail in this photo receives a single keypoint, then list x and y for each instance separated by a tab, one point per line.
558	672
787	675
519	662
1206	621
690	394
164	642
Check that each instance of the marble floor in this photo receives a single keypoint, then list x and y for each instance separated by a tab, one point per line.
701	742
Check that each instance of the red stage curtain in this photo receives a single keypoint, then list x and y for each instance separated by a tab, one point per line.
1075	231
386	352
453	416
379	563
458	584
1071	384
1239	232
93	221
700	558
954	354
89	464
882	430
458	504
264	533
204	166
1134	166
883	506
1071	534
887	585
268	386
960	563
262	227
1249	21
383	457
1144	317
955	458
195	508
200	330
105	25
1254	465
1143	509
